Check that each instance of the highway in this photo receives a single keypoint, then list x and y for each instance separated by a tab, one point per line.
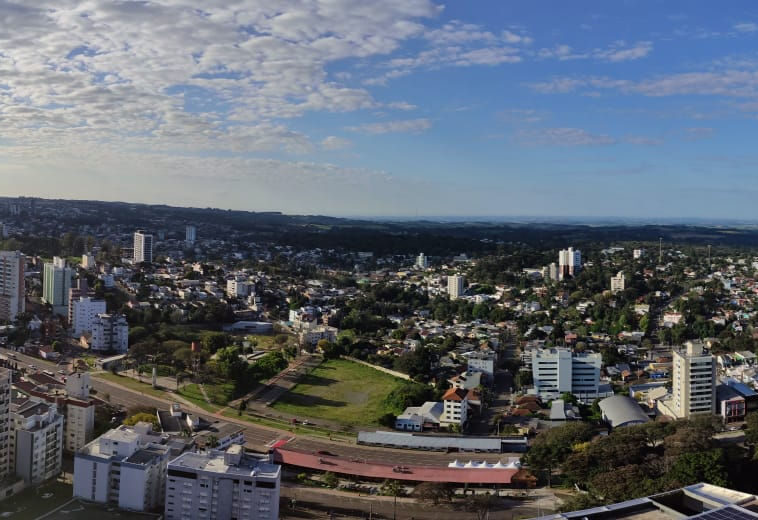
261	437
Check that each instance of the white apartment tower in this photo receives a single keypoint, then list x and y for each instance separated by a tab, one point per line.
455	408
36	440
692	384
559	370
217	485
110	332
56	283
422	262
618	282
88	261
125	466
143	247
85	311
455	286
12	300
569	262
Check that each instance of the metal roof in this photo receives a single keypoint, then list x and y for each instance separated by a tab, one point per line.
422	442
620	410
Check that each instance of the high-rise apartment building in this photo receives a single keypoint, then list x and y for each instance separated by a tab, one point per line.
36	440
5	423
569	262
143	247
455	286
56	283
85	313
618	282
693	380
110	332
88	261
216	485
125	466
190	234
559	370
12	288
422	262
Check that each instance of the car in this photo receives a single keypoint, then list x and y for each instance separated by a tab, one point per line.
33	367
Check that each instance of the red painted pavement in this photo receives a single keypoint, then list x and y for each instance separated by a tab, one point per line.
375	470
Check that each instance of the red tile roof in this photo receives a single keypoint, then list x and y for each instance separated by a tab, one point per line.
454	394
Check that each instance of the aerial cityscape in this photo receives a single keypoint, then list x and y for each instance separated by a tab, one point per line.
378	260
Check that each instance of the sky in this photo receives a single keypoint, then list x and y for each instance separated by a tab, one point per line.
636	108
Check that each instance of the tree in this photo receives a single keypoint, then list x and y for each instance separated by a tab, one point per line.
433	492
551	448
751	430
700	466
142	417
481	504
329	479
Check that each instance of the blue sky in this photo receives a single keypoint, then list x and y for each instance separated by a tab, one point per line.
398	108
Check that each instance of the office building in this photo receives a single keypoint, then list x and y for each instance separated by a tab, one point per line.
12	288
559	370
422	262
125	466
36	440
85	312
143	247
110	332
56	283
693	383
455	286
618	283
569	262
222	485
190	234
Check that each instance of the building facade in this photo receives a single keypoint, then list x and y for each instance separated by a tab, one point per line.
569	262
693	377
5	424
422	262
143	247
190	234
84	313
56	283
12	287
558	370
618	282
37	440
454	408
125	466
455	286
216	485
110	332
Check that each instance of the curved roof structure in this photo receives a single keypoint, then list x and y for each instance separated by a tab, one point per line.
620	410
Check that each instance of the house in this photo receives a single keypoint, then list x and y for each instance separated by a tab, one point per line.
420	418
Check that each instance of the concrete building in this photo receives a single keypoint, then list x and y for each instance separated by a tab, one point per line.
482	362
420	418
85	313
5	424
618	282
422	262
78	289
88	261
559	370
12	288
455	408
219	485
455	286
569	262
110	332
237	288
190	234
56	283
125	466
311	335
693	383
36	442
638	253
143	247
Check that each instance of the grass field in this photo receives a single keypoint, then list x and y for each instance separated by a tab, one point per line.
145	388
218	394
340	391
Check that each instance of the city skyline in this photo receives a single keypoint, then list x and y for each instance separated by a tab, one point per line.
412	108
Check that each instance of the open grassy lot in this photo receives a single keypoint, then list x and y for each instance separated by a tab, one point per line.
220	394
145	388
341	391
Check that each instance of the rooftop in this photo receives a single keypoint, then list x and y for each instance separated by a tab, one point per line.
216	462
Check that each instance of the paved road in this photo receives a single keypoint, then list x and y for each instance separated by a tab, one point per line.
261	437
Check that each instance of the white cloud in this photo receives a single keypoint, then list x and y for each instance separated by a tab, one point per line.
401	105
335	143
401	126
745	27
562	137
617	52
642	140
698	133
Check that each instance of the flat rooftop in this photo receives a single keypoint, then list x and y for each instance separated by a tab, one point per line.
215	462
